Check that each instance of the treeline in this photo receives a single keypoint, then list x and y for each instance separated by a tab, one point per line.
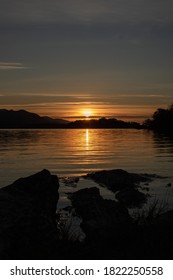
103	123
161	121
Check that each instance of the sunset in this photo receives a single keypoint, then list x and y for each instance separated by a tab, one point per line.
115	56
86	134
87	113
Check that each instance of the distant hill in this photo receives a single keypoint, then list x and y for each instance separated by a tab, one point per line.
24	119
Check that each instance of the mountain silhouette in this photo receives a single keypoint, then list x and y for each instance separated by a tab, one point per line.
25	119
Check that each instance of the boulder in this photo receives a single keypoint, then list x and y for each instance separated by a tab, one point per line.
117	179
27	217
103	220
131	198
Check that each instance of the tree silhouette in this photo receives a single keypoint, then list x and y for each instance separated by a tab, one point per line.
162	120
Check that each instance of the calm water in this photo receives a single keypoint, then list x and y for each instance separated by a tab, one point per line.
76	152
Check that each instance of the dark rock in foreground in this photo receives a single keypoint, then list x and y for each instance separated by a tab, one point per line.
27	217
28	226
112	234
97	212
106	223
124	182
117	179
131	198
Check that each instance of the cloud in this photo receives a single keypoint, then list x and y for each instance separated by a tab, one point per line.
90	11
56	94
11	66
145	95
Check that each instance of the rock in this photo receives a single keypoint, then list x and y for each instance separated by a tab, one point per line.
110	231
118	179
102	218
70	181
27	217
131	198
124	182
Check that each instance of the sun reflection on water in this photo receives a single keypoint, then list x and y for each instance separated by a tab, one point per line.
87	139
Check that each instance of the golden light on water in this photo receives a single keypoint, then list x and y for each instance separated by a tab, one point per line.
87	137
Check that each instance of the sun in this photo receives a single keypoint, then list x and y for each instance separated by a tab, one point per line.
87	113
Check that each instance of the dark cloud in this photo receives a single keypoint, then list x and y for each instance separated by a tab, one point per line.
90	11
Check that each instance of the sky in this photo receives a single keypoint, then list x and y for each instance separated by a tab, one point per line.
61	58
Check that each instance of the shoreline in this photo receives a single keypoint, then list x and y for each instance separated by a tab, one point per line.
93	224
157	187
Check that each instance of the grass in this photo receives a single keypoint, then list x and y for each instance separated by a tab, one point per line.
148	215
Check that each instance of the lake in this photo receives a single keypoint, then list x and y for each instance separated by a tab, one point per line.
76	152
71	152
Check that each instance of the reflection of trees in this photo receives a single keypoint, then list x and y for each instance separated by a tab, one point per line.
163	143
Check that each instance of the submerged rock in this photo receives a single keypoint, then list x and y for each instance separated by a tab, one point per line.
27	217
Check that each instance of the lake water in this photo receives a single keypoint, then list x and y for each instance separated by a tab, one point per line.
71	152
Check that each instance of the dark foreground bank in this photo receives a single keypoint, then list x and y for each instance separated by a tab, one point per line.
30	227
